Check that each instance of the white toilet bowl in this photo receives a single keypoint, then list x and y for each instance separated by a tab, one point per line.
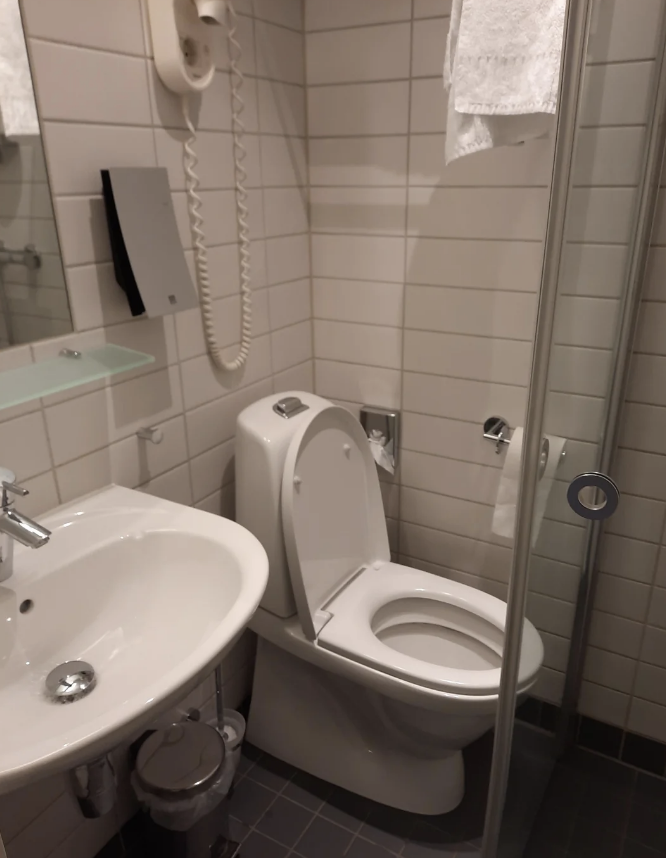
371	675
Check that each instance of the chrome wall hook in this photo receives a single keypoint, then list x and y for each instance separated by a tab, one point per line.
151	433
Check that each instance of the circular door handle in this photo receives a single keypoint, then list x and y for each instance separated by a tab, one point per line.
597	511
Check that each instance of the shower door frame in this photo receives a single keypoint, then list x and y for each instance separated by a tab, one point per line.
575	42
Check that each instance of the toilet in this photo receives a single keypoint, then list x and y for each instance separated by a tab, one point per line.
369	675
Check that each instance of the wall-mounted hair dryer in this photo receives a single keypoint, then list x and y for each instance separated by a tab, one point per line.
185	61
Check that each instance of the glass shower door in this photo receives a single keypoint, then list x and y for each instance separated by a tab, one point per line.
606	165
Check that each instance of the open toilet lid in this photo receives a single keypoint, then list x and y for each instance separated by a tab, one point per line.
332	512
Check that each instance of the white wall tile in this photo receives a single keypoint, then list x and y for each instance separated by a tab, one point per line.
358	384
285	211
24	445
287	258
616	634
479	359
484	213
282	108
291	346
358	301
476	312
647	719
279	53
289	303
628	558
283	161
77	152
514	265
68	85
323	15
428	106
651	683
622	598
358	210
530	164
370	108
358	161
431	8
93	25
372	54
616	94
288	13
619	35
602	703
371	345
463	399
358	257
427	40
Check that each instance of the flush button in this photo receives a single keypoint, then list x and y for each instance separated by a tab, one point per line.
290	406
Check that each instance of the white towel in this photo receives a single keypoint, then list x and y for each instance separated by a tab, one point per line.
502	72
18	112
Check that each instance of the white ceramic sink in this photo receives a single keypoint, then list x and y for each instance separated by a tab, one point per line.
149	592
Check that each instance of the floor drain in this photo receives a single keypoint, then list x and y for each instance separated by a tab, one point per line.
70	681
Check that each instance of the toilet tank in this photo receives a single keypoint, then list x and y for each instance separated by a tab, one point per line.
262	441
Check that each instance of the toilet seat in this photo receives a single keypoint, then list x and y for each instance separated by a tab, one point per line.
457	631
332	512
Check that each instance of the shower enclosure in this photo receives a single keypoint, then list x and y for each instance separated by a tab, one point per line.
594	265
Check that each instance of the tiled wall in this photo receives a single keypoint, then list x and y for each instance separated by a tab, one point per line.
630	625
36	300
424	295
102	105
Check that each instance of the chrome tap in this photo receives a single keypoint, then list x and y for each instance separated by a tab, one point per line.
15	526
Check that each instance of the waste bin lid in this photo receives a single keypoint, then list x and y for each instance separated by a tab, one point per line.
183	758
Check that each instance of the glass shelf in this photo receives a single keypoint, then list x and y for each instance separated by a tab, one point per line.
62	373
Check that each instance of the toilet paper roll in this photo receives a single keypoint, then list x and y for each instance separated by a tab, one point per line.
504	518
377	443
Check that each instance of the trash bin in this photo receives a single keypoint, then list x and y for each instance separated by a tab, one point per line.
181	779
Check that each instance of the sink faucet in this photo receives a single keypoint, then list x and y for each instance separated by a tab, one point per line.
15	526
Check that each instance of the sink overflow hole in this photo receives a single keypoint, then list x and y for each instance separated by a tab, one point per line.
26	605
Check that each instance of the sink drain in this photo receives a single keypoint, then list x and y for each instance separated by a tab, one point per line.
70	681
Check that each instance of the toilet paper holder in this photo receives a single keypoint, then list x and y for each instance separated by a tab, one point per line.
383	425
497	429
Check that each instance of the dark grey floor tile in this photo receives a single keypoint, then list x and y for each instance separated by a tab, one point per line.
599	770
271	772
307	790
607	807
435	850
284	821
388	827
428	836
346	808
250	801
632	849
324	839
537	849
251	751
364	849
650	790
647	826
244	765
258	846
464	823
551	829
591	839
238	830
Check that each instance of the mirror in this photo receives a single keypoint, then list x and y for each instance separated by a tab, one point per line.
33	295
